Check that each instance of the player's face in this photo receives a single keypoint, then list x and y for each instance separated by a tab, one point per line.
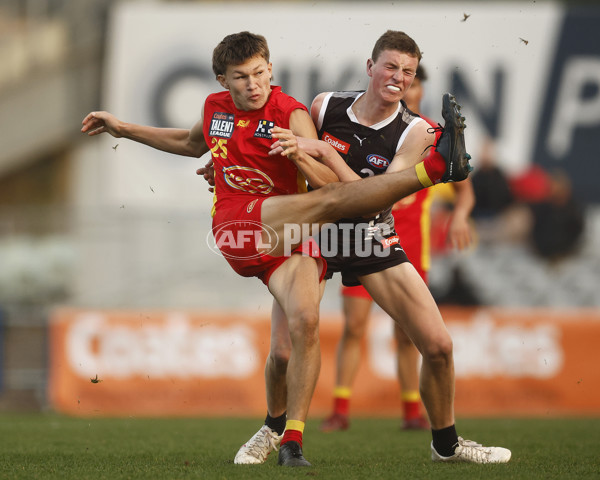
392	74
249	83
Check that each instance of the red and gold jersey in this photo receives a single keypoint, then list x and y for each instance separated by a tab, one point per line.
412	224
412	221
240	141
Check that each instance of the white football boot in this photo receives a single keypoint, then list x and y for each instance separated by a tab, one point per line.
255	450
472	452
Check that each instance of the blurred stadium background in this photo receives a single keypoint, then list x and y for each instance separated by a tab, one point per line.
106	225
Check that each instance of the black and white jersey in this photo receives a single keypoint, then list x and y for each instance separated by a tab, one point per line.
367	150
361	246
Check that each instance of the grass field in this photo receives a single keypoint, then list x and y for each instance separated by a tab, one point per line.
52	446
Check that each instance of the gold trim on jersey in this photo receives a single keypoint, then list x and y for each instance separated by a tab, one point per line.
426	232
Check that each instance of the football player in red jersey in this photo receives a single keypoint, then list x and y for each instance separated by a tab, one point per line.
252	131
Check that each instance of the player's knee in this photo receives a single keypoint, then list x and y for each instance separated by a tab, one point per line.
439	351
304	328
279	357
354	329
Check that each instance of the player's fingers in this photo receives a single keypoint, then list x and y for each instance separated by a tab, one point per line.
276	148
290	151
97	131
281	133
88	117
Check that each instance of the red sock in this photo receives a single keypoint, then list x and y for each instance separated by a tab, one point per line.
341	400
292	436
411	409
435	166
341	406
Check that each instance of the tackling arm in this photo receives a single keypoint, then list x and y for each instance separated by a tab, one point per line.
316	173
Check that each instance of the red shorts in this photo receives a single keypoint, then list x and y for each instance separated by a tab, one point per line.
238	231
357	291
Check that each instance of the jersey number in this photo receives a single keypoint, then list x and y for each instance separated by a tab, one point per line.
368	172
219	147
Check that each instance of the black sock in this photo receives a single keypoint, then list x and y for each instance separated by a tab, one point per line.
445	440
276	424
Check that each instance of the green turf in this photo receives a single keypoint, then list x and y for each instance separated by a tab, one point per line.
52	446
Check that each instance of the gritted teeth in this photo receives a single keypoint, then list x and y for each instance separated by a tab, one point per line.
393	88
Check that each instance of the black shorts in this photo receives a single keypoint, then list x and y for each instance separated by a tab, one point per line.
355	254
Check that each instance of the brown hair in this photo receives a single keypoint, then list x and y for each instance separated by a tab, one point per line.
394	40
236	48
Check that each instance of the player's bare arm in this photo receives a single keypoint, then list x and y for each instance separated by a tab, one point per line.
316	173
459	231
287	145
327	155
414	148
189	143
315	107
313	149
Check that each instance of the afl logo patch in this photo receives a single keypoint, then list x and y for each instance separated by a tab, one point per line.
246	179
378	161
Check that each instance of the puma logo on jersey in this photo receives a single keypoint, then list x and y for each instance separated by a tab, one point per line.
359	139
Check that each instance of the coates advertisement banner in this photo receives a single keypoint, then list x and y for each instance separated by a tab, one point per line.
508	362
526	73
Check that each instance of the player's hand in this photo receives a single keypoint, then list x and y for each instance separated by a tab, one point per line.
99	122
208	172
459	233
286	144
